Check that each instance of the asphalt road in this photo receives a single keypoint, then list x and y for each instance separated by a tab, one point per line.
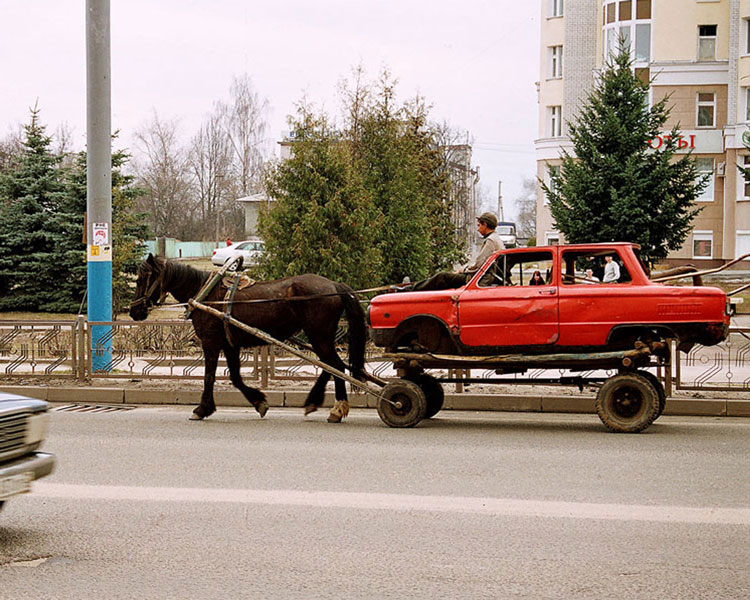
145	504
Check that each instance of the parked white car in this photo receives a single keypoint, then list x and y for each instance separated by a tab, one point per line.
250	250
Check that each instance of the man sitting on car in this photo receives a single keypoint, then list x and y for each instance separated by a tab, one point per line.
445	280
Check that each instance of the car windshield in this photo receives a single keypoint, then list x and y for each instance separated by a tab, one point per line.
506	230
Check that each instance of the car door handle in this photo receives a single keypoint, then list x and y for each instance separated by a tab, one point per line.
549	292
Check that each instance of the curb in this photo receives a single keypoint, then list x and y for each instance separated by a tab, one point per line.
709	407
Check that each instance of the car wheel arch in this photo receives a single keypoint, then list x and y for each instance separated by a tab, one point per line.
428	327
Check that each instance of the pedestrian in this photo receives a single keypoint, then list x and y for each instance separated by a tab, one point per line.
537	279
611	270
590	277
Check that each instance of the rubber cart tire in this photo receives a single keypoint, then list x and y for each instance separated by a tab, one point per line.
627	403
402	404
659	389
433	393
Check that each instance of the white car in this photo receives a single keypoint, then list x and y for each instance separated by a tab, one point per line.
250	250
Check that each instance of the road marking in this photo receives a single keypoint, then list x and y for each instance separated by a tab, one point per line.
403	502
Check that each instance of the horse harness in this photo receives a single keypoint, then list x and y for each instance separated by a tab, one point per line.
146	298
232	283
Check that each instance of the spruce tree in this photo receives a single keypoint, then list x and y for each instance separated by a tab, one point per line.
616	187
35	228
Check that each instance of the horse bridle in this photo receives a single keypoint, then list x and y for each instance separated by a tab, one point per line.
146	298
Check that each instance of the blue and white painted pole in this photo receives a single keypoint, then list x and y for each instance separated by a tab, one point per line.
99	180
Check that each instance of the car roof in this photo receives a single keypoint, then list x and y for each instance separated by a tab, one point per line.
592	246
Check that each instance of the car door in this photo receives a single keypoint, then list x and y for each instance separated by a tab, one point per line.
501	308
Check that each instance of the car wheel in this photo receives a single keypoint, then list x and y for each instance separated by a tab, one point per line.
659	387
433	392
402	404
627	403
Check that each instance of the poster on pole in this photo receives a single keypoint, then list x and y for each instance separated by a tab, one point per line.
100	249
101	234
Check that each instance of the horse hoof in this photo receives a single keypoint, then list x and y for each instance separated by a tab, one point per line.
262	408
339	411
310	408
194	417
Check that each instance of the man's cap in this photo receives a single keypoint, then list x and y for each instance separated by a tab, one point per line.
489	219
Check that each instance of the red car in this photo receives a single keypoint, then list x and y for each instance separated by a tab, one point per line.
579	303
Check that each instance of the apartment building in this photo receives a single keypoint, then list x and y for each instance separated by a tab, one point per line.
695	51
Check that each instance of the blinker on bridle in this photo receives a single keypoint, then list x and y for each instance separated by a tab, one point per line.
146	298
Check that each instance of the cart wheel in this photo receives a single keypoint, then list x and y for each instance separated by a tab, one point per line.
627	403
402	404
433	392
654	380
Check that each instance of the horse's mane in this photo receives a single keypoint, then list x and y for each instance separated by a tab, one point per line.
180	272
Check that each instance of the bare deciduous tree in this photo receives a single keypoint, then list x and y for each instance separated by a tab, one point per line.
526	204
163	171
210	161
244	119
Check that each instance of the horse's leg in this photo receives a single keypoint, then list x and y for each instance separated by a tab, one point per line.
254	397
316	396
207	407
326	350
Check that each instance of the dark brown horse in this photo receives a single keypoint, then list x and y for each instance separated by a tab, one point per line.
282	308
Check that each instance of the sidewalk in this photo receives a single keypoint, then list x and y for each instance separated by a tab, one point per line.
532	401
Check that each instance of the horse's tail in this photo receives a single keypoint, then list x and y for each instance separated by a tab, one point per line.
357	329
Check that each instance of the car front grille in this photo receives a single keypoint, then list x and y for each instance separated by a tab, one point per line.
12	431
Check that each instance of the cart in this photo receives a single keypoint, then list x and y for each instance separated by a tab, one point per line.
626	402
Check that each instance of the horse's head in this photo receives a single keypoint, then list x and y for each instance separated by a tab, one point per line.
149	287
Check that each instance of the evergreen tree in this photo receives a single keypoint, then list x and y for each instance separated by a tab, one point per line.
617	188
402	167
324	220
42	208
35	229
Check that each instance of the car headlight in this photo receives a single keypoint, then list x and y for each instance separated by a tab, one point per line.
37	428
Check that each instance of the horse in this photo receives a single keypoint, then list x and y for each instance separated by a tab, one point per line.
281	308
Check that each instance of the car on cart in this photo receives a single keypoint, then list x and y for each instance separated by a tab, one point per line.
582	312
23	426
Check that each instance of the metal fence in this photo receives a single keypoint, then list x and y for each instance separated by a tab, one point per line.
171	350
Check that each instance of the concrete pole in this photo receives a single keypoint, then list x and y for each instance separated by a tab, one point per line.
500	212
99	180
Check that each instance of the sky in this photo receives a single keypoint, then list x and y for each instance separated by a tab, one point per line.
475	62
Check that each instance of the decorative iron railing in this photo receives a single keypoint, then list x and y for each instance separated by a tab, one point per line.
170	350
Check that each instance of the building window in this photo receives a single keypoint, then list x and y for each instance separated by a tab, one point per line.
707	42
745	185
742	243
643	9
746	100
555	62
745	44
551	238
555	121
706	109
703	242
624	20
705	167
643	42
555	8
551	170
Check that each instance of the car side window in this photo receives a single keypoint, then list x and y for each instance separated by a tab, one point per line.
590	268
519	269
